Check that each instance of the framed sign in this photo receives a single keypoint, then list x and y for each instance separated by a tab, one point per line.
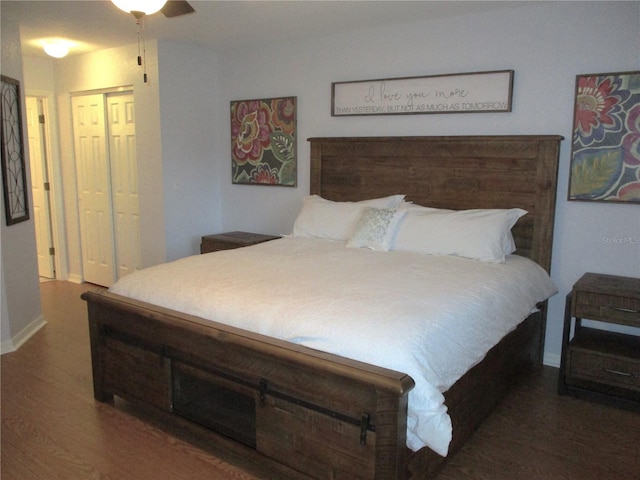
14	175
605	145
263	141
456	93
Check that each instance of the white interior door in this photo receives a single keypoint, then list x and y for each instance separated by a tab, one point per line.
124	181
40	187
94	189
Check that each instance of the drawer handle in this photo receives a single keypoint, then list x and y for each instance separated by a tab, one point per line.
617	372
623	310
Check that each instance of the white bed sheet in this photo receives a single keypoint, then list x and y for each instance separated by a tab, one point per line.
321	294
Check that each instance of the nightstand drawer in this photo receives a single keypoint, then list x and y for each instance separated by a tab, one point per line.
607	307
604	369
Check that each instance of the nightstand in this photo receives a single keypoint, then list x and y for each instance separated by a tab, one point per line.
231	240
596	364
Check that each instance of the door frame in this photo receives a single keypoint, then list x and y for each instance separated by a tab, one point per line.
54	166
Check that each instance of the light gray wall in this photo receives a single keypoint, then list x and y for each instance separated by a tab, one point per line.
546	43
20	310
188	99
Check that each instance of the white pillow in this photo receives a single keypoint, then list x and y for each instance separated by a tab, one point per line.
479	234
376	228
321	218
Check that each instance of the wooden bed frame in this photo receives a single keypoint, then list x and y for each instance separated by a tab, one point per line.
311	412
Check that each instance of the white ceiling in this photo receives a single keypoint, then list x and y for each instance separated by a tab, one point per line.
97	24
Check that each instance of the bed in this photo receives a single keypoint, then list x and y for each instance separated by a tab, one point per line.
321	414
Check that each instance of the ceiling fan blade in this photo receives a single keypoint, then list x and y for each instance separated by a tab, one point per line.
175	8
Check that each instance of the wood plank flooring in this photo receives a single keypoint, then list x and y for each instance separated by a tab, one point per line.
53	429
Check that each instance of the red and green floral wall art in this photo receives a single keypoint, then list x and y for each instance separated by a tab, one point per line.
263	141
605	159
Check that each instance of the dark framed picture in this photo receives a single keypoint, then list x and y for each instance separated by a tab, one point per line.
14	175
605	147
263	141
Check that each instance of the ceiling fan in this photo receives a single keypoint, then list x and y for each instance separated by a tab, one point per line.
175	8
140	8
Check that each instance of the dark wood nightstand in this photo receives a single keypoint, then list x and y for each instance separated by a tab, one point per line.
597	364
231	240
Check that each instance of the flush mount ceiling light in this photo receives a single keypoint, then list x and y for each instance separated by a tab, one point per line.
56	49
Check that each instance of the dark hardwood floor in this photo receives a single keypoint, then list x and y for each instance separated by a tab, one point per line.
53	429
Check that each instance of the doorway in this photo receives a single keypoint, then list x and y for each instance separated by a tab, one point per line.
107	177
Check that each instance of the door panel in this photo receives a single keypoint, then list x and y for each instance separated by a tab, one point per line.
94	197
124	180
39	191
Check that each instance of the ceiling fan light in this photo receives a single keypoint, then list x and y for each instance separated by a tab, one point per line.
56	49
148	7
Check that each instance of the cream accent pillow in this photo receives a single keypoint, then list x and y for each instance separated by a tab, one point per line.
376	228
321	218
483	235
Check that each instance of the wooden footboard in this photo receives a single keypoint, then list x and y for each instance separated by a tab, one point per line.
320	414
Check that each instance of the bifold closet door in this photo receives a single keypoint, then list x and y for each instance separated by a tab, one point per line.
106	169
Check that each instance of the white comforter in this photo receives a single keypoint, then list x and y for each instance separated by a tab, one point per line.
431	317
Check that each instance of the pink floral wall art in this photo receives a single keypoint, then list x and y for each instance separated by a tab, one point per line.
263	141
605	148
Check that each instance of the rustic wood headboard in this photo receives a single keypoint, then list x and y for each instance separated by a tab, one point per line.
456	172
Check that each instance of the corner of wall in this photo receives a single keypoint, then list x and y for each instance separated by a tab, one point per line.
20	296
8	346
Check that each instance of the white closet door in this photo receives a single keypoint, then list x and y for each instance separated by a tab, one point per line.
94	192
124	181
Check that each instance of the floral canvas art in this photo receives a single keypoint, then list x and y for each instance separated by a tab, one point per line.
263	141
605	160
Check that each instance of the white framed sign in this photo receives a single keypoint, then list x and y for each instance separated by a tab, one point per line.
454	93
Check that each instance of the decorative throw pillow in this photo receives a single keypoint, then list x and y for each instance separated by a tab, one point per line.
376	228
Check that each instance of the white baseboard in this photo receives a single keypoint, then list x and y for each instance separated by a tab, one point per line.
25	334
6	346
551	360
75	278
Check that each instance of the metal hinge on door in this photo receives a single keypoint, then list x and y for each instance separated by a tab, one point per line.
52	251
41	118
